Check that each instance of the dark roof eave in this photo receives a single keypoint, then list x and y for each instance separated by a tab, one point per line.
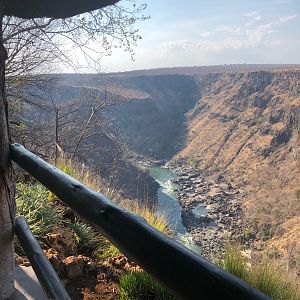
57	9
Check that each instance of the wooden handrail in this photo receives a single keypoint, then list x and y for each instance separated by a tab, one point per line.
186	274
39	262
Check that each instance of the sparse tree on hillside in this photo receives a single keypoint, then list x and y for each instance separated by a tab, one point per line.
35	45
43	45
71	124
47	11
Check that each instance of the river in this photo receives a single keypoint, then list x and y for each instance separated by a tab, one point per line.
169	207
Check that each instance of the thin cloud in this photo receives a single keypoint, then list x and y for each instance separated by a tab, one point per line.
251	14
227	39
251	22
228	29
254	15
282	1
205	34
285	19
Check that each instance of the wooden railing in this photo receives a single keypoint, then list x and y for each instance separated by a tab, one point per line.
186	274
39	262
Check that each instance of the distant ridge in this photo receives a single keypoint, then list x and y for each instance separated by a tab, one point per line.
207	69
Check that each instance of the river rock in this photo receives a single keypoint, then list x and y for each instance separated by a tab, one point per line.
224	219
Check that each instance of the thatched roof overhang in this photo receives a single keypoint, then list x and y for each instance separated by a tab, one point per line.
52	8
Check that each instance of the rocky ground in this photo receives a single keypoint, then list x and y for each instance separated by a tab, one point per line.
84	277
222	222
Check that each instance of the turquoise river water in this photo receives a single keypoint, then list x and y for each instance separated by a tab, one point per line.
169	206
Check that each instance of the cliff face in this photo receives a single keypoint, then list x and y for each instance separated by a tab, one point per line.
243	116
155	126
245	127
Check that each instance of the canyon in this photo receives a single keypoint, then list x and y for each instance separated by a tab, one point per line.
237	127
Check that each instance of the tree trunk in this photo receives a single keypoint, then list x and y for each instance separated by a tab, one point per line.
56	135
7	186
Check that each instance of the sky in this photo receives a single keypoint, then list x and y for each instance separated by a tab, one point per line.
212	32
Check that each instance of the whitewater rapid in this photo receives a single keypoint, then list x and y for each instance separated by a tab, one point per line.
169	207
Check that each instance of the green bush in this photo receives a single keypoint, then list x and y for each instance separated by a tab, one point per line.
106	250
32	203
192	162
87	238
140	286
248	234
266	232
91	242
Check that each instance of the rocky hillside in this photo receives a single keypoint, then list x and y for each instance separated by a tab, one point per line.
245	129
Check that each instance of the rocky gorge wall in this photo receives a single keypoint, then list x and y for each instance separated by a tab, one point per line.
239	127
245	128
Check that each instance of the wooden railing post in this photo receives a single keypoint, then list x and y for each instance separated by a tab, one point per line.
39	262
7	206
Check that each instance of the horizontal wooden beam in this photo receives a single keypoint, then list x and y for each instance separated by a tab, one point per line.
39	262
29	9
186	274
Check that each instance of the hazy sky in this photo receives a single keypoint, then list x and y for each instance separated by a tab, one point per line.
206	32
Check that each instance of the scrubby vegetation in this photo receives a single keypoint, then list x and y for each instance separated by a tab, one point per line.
266	275
87	239
32	202
239	129
158	221
140	286
59	229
